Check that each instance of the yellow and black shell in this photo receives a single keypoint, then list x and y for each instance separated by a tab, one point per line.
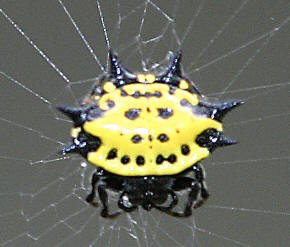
146	124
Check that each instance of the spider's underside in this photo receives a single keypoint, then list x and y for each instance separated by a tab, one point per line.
148	147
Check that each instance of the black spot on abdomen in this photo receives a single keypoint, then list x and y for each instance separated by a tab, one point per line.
140	160
132	113
125	159
165	112
111	103
163	138
159	159
136	139
185	149
172	158
112	154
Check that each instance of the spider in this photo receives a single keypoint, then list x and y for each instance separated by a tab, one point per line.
147	134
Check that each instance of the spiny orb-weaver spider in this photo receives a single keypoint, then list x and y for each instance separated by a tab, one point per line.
146	133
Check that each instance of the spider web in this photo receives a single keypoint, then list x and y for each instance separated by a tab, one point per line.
51	54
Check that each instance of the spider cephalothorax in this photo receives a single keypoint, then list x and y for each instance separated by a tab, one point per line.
145	133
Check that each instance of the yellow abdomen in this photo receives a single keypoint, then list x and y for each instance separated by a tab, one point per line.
148	130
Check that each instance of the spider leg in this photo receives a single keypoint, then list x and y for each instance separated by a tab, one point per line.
199	175
192	196
104	200
172	204
123	206
102	194
90	198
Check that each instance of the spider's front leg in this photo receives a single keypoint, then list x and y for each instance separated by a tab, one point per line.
182	183
95	179
102	193
172	204
104	200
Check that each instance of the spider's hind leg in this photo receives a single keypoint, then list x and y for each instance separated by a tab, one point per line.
172	204
197	188
179	184
199	175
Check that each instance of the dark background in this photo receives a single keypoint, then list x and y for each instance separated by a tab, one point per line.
229	44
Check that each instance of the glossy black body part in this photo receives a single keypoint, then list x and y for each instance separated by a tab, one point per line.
149	191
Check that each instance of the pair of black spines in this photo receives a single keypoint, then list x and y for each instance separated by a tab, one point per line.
170	75
122	76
